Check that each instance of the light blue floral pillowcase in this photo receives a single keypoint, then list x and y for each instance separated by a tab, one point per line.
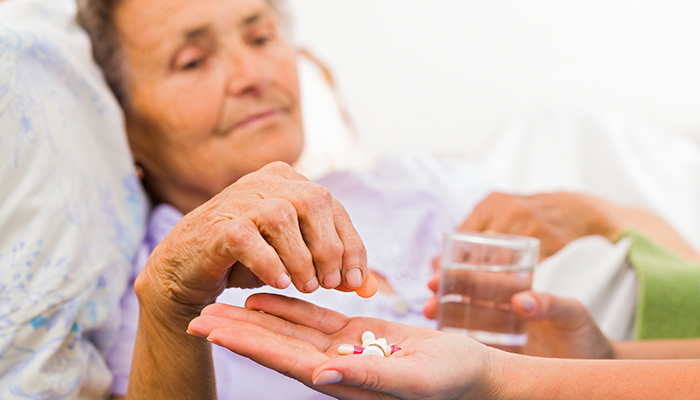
71	209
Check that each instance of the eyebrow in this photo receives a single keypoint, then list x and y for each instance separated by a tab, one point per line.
252	19
195	33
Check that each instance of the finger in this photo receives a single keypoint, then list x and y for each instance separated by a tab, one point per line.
483	213
503	256
542	306
219	314
385	376
354	260
278	224
238	240
431	308
434	282
287	355
476	221
316	209
436	263
298	311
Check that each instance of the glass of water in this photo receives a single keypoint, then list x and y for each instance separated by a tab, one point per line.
479	274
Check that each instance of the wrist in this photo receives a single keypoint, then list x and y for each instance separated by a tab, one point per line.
610	223
494	384
158	297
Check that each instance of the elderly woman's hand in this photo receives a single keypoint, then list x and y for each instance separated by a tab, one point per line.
554	218
271	227
301	340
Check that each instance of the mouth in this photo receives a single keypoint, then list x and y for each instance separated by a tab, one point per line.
256	118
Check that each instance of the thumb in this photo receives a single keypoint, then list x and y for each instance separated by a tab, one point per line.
542	306
373	373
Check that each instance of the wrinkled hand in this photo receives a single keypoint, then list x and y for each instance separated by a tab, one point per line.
271	227
300	340
554	218
558	327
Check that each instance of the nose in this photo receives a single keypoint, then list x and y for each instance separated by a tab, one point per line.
250	73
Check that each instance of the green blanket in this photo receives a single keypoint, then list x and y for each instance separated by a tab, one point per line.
668	302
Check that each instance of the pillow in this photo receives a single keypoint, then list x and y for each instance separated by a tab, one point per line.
72	208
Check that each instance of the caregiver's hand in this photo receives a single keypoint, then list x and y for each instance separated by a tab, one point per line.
554	218
271	227
301	340
558	327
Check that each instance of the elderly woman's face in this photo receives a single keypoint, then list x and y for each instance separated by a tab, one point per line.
212	93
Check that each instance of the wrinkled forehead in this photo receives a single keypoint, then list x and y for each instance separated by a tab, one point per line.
158	25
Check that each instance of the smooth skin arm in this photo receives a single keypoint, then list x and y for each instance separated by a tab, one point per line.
300	340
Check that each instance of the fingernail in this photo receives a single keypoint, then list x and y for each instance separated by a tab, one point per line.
332	280
354	278
283	281
213	341
527	302
328	377
311	285
193	333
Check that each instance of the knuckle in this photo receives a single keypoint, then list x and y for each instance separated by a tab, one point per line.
498	197
317	196
371	381
253	179
331	253
276	166
239	232
355	247
279	212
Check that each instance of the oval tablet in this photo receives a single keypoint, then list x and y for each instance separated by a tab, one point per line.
373	351
369	288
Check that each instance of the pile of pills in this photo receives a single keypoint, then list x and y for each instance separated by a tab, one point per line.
370	346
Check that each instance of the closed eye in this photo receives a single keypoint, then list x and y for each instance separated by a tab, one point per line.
261	40
194	64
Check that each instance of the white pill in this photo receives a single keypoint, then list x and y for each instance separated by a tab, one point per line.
373	351
384	348
382	341
368	335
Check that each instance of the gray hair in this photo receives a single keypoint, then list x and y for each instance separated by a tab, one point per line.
98	20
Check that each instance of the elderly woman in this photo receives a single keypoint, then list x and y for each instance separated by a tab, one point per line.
210	93
74	209
211	98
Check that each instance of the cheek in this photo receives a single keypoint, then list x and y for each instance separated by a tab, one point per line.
286	74
194	108
184	105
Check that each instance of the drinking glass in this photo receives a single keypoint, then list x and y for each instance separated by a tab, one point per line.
480	273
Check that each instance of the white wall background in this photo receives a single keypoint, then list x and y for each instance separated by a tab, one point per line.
438	75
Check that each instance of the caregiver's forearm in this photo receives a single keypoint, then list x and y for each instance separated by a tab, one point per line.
562	379
168	363
657	349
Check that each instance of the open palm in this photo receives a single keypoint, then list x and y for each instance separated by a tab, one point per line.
301	340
